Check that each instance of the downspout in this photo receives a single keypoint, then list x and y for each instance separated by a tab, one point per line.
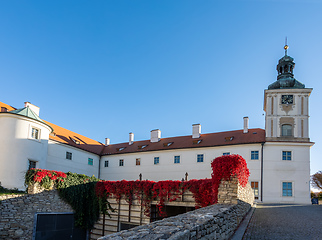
99	167
99	162
262	169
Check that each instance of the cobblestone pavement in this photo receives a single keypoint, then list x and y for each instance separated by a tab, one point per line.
285	221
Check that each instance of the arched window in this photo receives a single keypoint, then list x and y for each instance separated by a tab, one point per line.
287	130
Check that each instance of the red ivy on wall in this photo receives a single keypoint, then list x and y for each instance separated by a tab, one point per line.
225	167
42	175
205	191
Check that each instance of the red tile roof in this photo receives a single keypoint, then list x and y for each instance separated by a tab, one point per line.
255	135
65	136
68	137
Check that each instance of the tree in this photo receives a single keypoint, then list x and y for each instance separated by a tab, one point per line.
317	179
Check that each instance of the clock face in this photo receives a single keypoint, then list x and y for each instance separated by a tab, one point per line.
287	99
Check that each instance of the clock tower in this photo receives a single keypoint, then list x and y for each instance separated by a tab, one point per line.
286	103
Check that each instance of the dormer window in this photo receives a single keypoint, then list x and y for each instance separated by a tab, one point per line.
120	149
74	140
227	139
167	144
4	109
142	146
197	141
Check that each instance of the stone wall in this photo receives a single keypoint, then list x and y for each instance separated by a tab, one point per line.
17	213
218	221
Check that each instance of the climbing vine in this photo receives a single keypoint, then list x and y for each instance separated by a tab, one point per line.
89	196
78	190
225	167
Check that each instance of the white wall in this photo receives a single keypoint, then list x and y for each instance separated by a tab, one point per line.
277	171
17	148
168	170
57	161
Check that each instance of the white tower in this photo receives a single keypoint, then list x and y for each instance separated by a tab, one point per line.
286	164
287	105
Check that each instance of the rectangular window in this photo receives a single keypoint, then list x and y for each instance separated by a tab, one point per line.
176	159
156	160
226	154
35	133
90	161
121	163
200	158
254	155
69	155
287	189
287	155
254	186
106	164
32	164
138	161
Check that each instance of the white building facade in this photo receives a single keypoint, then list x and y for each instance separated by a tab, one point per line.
278	157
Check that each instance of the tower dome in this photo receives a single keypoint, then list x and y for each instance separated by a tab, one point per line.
285	77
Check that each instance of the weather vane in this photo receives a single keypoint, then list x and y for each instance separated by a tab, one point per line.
286	46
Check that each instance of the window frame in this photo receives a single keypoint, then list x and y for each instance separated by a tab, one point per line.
31	134
287	130
289	190
256	196
176	159
137	161
121	162
29	164
69	155
200	156
251	155
156	162
286	156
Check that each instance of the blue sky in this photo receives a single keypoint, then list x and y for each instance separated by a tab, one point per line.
107	68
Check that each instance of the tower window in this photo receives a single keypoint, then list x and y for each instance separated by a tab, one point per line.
287	189
226	154
106	163
35	133
287	155
156	160
32	164
287	130
90	161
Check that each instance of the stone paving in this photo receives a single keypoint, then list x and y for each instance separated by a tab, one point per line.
285	221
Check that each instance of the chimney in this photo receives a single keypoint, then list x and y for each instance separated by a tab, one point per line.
131	138
196	130
32	107
107	141
155	135
246	120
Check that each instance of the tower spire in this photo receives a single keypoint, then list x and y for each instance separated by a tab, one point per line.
286	46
